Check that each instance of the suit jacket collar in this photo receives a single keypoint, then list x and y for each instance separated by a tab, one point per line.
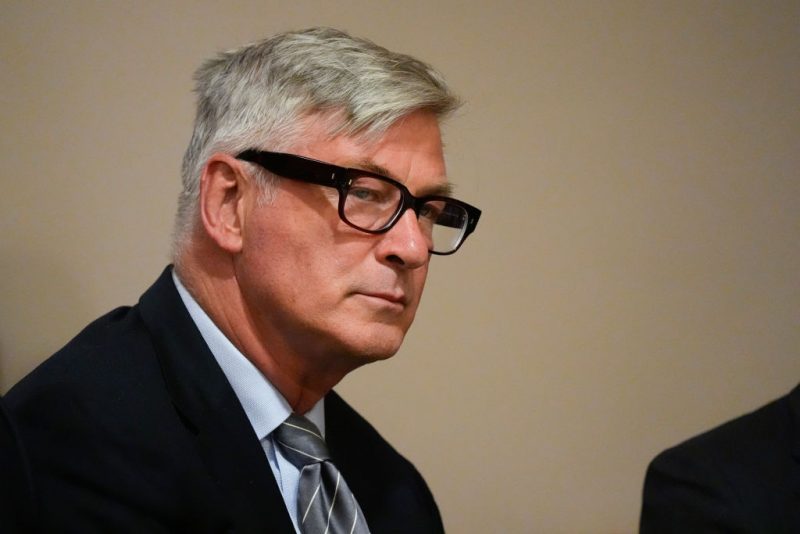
210	409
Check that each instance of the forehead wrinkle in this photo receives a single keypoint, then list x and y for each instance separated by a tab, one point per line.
442	189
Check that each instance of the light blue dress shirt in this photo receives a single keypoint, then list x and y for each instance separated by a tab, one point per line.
264	405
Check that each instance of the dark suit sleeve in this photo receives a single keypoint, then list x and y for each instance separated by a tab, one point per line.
684	492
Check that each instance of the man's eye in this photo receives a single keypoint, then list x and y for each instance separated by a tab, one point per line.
430	212
365	194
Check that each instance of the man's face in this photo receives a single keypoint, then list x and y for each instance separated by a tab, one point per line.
317	287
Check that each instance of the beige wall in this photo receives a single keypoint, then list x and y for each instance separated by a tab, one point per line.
633	280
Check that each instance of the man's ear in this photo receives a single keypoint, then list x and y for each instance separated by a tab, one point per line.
222	201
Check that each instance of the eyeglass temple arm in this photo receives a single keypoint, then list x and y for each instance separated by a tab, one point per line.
302	169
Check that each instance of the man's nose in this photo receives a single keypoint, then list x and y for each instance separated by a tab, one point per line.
405	244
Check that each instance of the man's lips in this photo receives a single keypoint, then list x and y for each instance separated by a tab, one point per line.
392	297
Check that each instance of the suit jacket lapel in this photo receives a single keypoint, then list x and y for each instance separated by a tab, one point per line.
210	409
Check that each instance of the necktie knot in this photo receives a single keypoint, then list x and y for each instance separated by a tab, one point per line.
325	504
301	441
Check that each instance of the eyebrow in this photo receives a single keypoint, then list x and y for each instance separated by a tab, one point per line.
444	189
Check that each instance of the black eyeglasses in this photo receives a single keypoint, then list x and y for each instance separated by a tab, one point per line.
374	203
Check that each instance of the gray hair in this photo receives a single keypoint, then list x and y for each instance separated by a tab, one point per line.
256	96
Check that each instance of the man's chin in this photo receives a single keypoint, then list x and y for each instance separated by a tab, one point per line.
378	346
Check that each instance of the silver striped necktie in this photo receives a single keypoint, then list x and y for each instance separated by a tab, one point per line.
325	505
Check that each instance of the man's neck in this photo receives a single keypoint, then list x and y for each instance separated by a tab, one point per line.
294	375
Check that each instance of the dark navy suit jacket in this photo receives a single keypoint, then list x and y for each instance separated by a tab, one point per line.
133	427
17	501
743	476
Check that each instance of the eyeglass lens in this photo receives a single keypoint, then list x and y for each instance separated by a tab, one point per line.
371	204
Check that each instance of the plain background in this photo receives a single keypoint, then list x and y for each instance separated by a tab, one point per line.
634	279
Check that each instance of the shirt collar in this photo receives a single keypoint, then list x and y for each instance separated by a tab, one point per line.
264	405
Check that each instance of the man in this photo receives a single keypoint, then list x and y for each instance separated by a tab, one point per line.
743	476
314	192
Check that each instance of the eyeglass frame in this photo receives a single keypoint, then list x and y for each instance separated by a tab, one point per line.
313	171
